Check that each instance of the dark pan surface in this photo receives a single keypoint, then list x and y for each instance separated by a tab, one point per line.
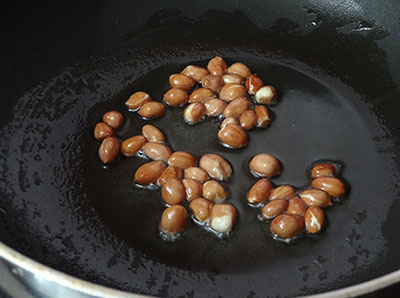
60	207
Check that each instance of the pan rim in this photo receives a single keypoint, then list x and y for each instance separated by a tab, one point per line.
50	275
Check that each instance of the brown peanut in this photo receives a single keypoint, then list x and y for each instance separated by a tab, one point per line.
149	172
194	112
253	83
265	95
231	91
229	120
151	109
223	218
109	150
239	69
156	151
214	191
264	165
114	119
333	186
248	119
181	81
103	130
174	219
323	170
274	208
170	171
136	100
131	146
212	82
232	79
193	189
214	107
182	160
262	116
287	225
296	206
233	136
195	72
259	192
197	174
173	192
284	192
316	197
236	107
201	209
153	134
176	97
314	219
217	66
201	95
217	167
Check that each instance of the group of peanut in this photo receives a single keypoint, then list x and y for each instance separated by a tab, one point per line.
177	175
215	91
291	213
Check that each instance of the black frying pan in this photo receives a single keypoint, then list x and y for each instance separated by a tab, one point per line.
335	66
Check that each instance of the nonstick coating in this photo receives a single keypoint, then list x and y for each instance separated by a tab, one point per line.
338	101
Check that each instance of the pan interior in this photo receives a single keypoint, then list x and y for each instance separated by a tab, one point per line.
61	207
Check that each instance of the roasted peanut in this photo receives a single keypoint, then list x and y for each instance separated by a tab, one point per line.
231	91
214	191
114	119
149	172
323	170
173	192
316	197
136	100
274	208
287	225
174	219
201	95
236	107
156	151
259	192
314	219
253	83
201	209
239	69
264	165
195	72
217	167
296	206
223	218
214	107
233	136
265	95
182	160
181	81
170	171
152	134
151	109
103	130
229	120
193	189
262	116
284	192
232	79
131	146
333	186
176	97
194	112
109	149
217	66
212	82
248	119
197	174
